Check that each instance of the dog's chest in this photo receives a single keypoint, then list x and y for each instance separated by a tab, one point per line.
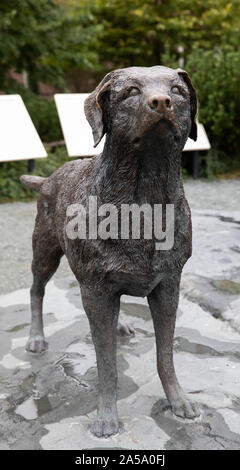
129	264
133	267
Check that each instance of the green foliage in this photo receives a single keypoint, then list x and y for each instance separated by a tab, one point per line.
44	115
9	173
45	38
82	37
10	187
185	174
214	164
219	164
30	36
57	39
46	166
215	74
139	33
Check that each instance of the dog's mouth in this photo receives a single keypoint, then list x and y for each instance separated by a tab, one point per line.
164	125
161	129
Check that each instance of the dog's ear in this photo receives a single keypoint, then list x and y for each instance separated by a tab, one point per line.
193	102
93	108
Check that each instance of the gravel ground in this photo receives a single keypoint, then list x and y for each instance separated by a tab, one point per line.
17	222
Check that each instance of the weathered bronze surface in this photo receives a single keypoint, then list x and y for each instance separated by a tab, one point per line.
147	115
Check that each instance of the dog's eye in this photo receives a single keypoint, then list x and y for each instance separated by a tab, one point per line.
133	91
176	90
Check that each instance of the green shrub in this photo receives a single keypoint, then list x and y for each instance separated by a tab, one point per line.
10	187
45	118
215	74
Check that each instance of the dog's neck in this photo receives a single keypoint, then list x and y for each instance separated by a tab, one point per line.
149	173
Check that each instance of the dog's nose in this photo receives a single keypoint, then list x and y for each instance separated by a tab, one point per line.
160	103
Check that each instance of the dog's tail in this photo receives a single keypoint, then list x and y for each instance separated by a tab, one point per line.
32	182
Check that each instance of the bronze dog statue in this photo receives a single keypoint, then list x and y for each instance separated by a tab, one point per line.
147	114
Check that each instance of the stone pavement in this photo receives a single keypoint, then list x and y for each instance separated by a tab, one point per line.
48	401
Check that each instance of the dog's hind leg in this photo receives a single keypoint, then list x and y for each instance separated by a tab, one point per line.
163	302
102	311
46	258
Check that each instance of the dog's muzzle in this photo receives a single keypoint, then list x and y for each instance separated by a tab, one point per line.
160	103
159	119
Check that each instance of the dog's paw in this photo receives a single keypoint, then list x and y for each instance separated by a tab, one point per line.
36	344
105	427
185	408
125	329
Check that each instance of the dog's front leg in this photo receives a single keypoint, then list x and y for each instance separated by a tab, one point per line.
102	311
163	302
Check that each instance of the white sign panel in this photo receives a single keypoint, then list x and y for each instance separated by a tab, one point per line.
76	130
202	142
19	139
78	134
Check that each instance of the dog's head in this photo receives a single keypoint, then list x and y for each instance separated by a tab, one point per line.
136	101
